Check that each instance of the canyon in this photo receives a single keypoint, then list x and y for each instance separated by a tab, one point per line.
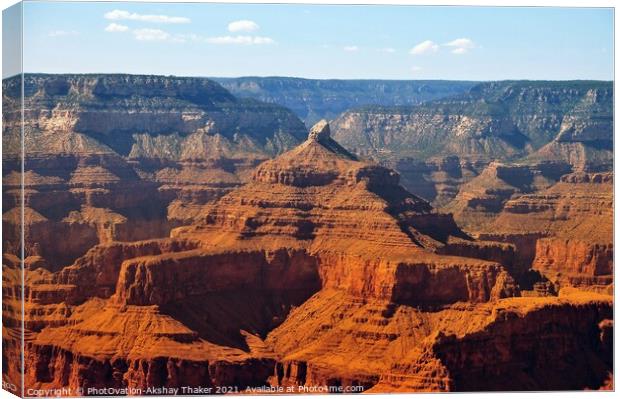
177	234
316	99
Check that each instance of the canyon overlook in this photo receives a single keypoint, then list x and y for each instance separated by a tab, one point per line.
178	235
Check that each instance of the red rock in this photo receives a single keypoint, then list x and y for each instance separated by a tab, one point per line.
319	270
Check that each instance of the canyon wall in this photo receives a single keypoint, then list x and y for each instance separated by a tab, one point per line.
127	157
316	99
564	126
176	235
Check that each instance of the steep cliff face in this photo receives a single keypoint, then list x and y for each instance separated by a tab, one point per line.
389	348
148	117
576	262
481	199
96	273
320	270
315	99
576	215
563	231
499	120
312	268
426	281
578	325
583	140
127	157
175	278
319	194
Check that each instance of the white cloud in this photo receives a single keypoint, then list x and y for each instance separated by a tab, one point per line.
461	45
114	27
416	68
243	25
351	49
246	40
151	35
427	46
387	50
158	35
117	15
58	33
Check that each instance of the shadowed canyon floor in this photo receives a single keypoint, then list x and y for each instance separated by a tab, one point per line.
189	252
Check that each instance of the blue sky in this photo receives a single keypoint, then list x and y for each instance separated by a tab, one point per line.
389	42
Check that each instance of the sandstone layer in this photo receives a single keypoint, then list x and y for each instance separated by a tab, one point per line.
565	126
562	229
178	235
320	270
125	157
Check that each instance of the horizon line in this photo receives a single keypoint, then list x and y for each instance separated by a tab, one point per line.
305	78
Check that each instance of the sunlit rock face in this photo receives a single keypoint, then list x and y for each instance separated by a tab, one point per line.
127	157
320	257
179	236
442	144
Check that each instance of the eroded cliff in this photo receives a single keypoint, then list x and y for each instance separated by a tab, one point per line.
320	270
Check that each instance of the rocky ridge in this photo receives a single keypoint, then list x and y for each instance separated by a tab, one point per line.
316	99
567	125
121	157
321	269
346	276
496	120
562	229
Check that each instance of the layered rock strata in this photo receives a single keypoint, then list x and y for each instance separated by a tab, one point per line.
491	121
125	157
320	270
561	229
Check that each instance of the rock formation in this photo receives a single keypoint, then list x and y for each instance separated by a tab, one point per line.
562	229
566	125
495	120
316	99
111	159
574	219
126	157
319	270
178	235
